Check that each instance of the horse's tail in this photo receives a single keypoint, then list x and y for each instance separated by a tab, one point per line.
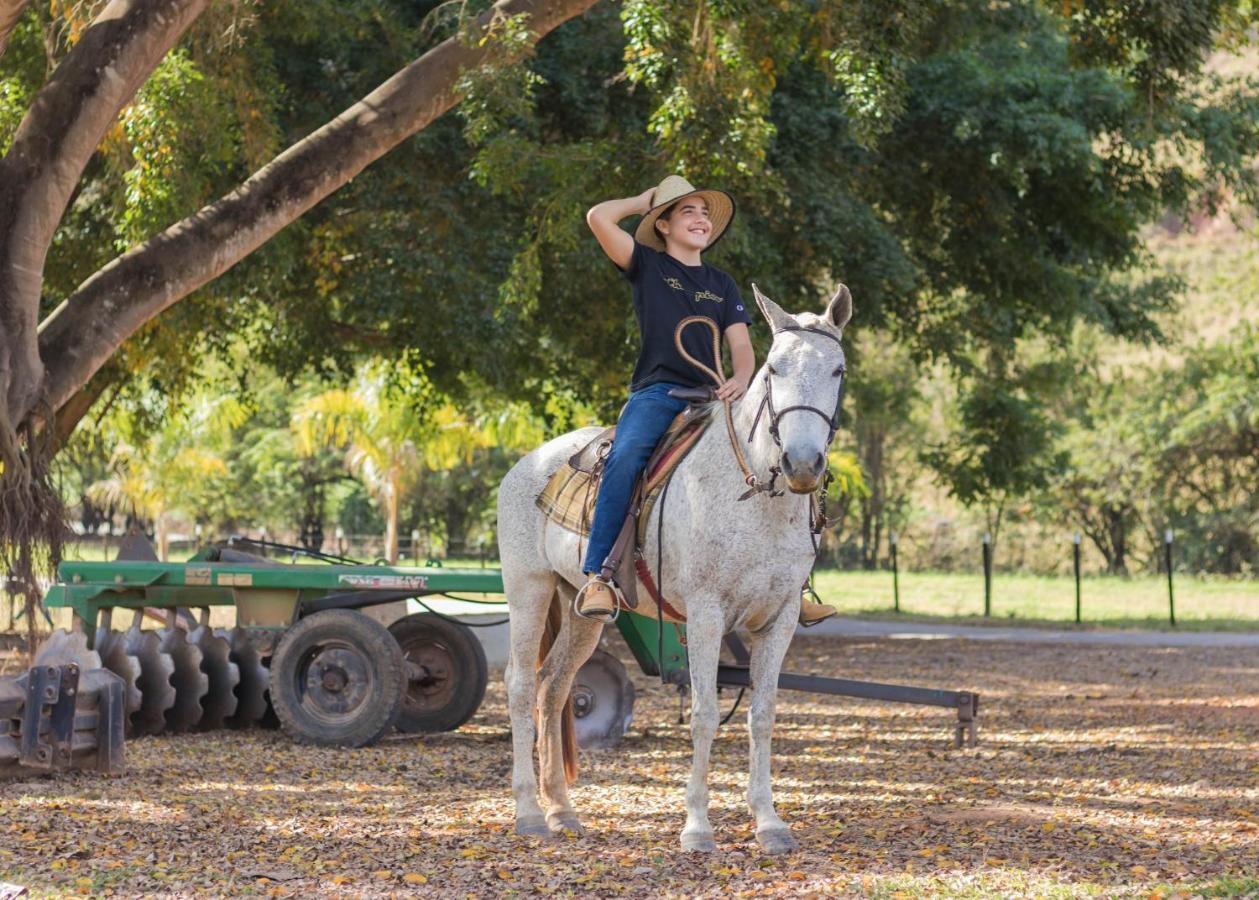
568	727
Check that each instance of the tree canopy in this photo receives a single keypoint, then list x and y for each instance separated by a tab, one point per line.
978	173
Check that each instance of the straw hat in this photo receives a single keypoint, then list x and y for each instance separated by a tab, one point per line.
670	191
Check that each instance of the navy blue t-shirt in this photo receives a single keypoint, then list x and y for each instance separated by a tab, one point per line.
666	291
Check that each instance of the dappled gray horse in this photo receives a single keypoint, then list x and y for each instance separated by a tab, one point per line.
728	565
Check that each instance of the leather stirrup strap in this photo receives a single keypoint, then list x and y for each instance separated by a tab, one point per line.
644	575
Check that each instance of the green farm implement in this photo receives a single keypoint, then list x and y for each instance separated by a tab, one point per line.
303	654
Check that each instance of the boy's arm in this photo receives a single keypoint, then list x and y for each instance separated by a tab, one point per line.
744	359
603	220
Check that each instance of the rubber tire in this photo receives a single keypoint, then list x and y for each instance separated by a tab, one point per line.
470	680
370	640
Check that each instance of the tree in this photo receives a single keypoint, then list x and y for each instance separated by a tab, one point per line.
45	365
1199	426
390	439
883	400
892	145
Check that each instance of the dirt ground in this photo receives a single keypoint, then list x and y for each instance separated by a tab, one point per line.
1101	771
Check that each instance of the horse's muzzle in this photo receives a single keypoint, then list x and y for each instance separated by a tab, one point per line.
803	476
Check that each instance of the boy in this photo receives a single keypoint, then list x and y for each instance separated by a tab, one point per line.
670	282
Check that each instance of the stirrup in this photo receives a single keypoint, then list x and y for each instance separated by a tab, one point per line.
833	612
616	605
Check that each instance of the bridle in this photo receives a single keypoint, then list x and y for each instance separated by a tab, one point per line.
775	416
755	485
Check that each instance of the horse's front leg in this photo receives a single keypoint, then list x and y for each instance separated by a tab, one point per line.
768	649
704	629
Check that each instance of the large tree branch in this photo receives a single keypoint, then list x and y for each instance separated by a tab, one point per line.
81	334
54	142
10	12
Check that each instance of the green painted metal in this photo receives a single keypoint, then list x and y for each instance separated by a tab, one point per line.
87	588
657	654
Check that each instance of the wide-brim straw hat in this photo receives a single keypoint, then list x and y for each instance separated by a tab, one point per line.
669	192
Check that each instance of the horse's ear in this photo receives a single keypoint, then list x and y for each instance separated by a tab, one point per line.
772	312
839	310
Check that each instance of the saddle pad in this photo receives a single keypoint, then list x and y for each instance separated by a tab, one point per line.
569	496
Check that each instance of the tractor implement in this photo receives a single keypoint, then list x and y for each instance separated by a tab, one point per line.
302	653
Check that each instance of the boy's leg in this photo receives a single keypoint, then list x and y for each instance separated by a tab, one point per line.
645	419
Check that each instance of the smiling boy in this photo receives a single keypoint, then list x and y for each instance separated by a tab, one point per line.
670	281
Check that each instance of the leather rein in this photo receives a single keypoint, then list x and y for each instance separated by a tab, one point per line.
755	485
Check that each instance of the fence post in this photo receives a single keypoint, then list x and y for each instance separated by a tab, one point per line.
896	584
1075	553
340	541
415	545
1167	558
987	574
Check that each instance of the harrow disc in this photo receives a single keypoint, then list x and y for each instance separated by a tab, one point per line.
157	691
12	701
222	677
603	702
191	684
252	701
64	647
112	647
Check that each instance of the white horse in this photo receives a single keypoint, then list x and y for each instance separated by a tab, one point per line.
727	565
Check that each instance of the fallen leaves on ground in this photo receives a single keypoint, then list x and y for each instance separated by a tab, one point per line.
1110	770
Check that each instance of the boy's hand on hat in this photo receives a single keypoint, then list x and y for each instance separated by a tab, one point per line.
647	199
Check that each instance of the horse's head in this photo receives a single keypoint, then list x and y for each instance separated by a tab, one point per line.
804	381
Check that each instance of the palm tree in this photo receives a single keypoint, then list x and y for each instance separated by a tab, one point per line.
389	439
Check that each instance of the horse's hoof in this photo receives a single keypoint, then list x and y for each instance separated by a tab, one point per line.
777	840
565	823
698	842
532	825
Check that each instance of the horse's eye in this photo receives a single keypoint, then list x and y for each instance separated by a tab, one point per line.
839	370
771	369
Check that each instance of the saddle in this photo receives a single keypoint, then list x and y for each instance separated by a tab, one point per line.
568	499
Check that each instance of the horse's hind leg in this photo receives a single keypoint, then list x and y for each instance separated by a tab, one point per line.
577	639
768	649
529	598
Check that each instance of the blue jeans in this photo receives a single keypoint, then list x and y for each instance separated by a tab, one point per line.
644	420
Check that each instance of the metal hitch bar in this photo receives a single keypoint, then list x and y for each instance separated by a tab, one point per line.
965	702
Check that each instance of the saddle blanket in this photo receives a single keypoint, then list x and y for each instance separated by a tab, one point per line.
569	496
569	499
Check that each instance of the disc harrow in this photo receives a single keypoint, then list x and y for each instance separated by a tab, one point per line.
303	653
112	648
222	675
157	690
188	678
57	717
253	701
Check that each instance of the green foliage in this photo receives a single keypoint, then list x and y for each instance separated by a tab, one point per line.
979	174
1199	427
1002	449
182	137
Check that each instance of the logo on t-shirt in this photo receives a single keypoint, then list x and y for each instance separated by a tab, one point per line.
697	295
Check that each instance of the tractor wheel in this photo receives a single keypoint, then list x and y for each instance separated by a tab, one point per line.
337	679
445	669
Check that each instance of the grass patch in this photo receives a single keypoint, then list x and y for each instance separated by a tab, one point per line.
1139	602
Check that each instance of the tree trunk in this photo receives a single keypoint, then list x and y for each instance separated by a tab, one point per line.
392	489
116	301
872	507
54	142
1117	529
